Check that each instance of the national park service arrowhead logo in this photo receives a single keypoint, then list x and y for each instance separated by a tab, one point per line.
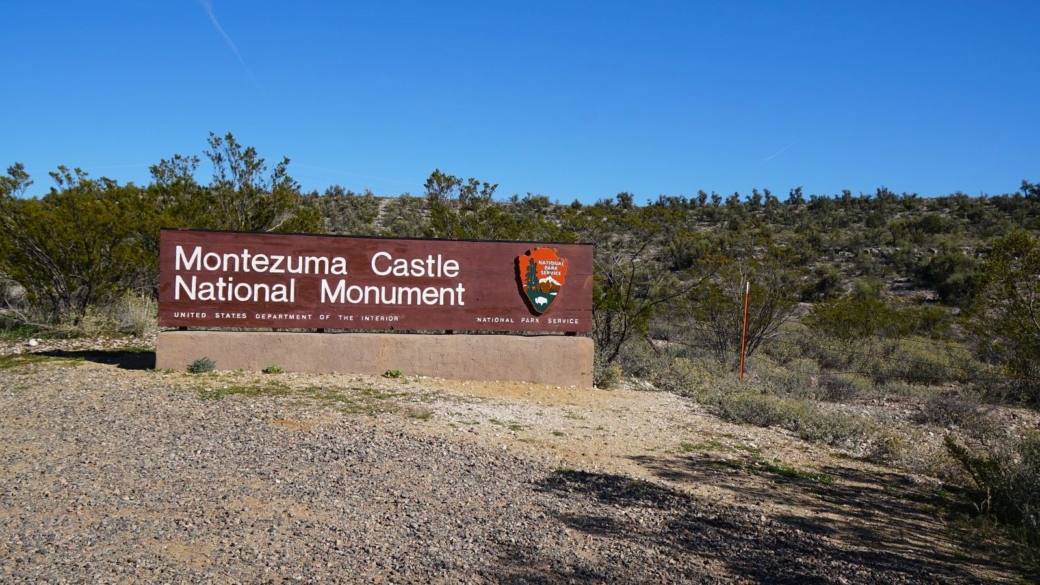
542	273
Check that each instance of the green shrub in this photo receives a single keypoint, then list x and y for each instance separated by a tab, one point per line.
1004	314
604	373
96	322
801	416
953	274
716	307
682	377
394	373
825	283
829	353
853	319
784	349
274	370
1006	475
81	244
927	320
875	220
349	213
796	379
930	224
762	410
808	376
202	365
639	359
920	361
606	376
832	428
903	389
884	358
1009	390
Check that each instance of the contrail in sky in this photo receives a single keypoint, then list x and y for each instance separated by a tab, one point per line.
213	18
777	153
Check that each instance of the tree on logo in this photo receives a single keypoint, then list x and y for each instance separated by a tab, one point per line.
531	278
541	277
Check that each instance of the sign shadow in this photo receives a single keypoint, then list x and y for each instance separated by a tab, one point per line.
123	359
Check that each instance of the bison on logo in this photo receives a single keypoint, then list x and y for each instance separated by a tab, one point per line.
542	274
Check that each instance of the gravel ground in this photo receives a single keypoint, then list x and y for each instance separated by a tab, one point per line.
110	475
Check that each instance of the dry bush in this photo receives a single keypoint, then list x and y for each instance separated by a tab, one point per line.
137	313
1006	477
682	377
798	378
605	375
801	416
899	388
837	387
12	296
947	408
886	447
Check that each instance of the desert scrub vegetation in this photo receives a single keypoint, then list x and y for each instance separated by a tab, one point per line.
216	391
201	366
878	396
134	314
798	415
859	301
1004	476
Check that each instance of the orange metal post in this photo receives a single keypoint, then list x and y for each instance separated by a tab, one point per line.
743	336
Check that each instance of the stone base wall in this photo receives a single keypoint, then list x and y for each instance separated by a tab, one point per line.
548	359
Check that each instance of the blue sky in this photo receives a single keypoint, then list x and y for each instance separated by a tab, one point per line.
573	100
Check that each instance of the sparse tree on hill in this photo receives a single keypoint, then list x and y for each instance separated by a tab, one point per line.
716	310
1005	316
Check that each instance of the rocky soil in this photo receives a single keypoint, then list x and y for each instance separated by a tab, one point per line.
113	472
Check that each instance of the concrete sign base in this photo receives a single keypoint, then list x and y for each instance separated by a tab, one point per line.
548	359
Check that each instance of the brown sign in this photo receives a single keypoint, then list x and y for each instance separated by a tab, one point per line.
233	279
